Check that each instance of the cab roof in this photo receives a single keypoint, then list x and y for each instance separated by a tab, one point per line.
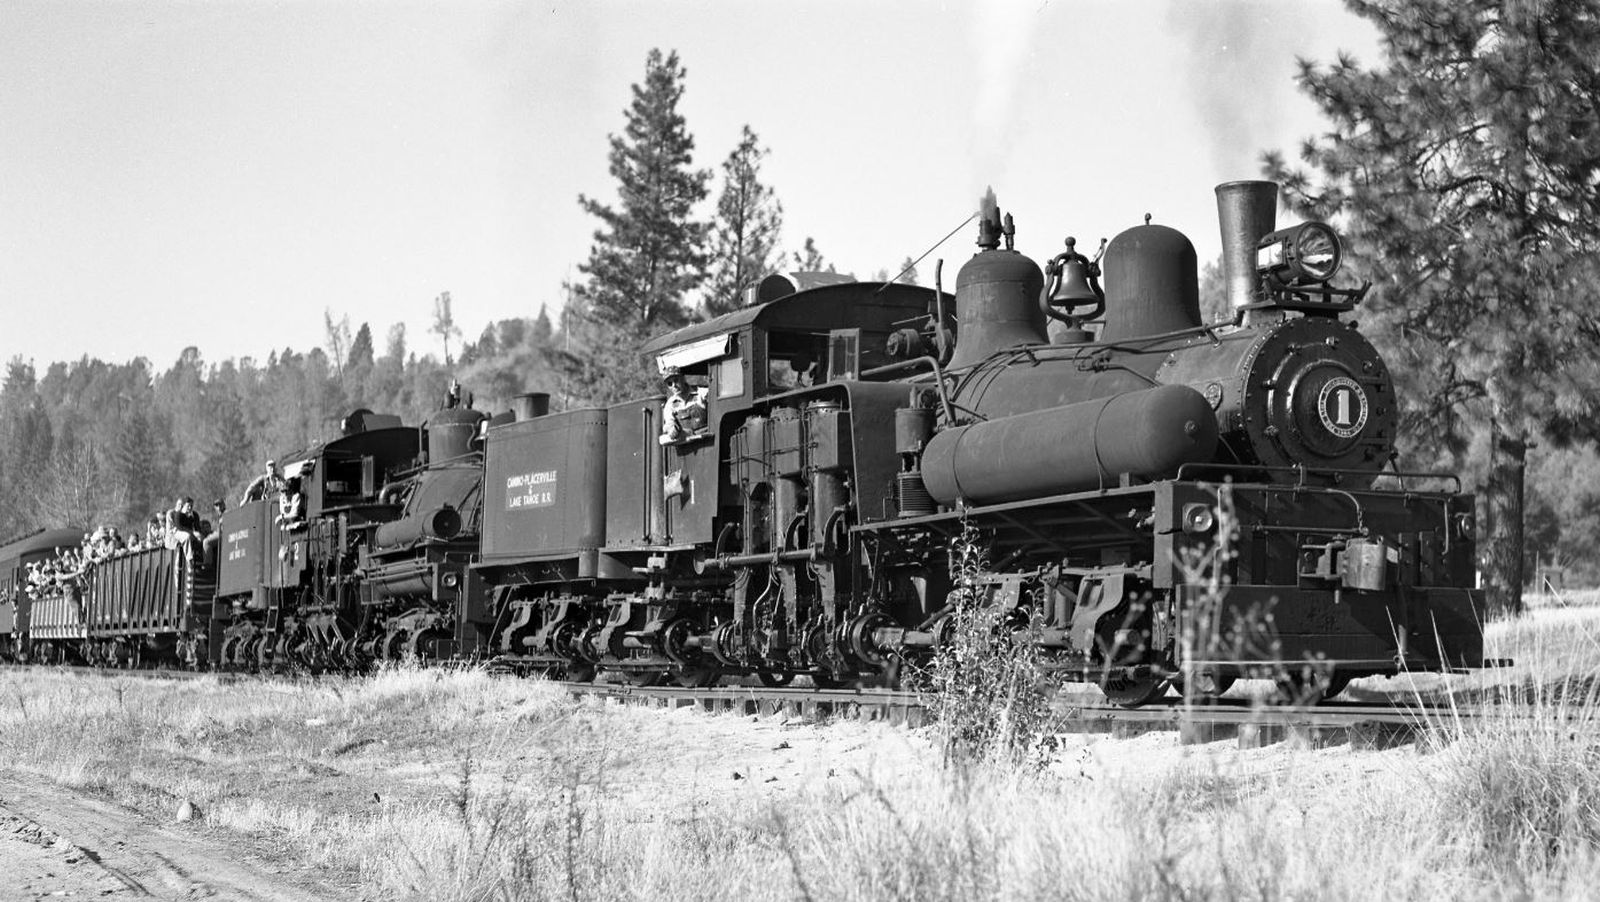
813	305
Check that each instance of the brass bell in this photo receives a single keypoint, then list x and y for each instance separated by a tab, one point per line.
1072	286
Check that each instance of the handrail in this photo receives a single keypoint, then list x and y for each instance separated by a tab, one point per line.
1186	471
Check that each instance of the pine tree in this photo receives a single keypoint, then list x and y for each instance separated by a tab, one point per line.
648	252
444	323
744	238
1214	303
1464	168
338	339
809	259
388	373
133	463
358	368
179	400
229	449
542	330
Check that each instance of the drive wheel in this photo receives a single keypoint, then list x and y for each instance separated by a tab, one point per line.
773	679
394	647
643	678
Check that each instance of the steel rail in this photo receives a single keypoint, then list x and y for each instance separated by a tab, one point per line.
1253	721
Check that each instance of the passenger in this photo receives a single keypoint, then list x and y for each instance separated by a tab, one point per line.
797	372
264	486
208	545
97	546
683	416
292	506
185	527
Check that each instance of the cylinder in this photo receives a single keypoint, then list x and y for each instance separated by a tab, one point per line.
401	579
828	493
1245	211
913	426
784	511
750	452
1088	445
530	405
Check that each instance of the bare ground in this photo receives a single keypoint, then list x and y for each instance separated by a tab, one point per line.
424	785
61	844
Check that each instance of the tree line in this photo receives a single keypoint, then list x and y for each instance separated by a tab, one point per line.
1461	168
89	442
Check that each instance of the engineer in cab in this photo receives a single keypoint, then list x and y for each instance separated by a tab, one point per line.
683	416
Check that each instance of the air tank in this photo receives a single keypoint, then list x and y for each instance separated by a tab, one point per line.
1077	447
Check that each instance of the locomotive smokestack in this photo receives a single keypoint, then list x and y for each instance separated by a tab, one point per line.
1245	210
530	405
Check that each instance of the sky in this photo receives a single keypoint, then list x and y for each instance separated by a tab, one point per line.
224	174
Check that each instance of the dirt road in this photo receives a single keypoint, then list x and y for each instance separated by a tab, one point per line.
55	844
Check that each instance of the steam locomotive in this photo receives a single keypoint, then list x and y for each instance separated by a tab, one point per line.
1150	499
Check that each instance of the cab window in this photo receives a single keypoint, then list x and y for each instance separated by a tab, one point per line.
796	360
729	377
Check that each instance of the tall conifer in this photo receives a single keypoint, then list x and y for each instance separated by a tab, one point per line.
648	252
1464	168
744	237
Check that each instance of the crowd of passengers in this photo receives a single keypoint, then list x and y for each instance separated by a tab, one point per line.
180	528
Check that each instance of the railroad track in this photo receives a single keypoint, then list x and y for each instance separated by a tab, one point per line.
1253	723
872	704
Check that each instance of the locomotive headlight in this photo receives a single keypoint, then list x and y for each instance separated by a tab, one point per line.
1301	255
1466	526
1198	518
451	580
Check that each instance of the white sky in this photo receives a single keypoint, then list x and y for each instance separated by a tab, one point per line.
219	174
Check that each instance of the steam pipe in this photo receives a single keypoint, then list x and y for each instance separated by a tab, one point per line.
729	561
938	334
644	490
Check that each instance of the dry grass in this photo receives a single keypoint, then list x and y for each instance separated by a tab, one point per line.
499	789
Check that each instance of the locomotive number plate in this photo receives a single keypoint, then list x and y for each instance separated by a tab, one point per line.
1342	406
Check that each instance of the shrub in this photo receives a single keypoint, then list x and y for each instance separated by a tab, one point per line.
989	695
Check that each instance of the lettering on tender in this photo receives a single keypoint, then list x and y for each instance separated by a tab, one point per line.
533	489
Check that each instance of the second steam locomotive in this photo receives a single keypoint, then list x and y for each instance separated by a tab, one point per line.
1150	498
